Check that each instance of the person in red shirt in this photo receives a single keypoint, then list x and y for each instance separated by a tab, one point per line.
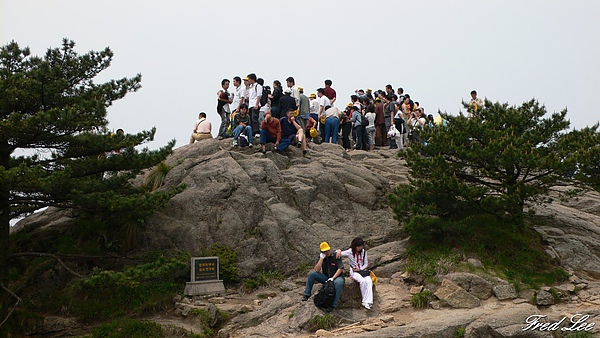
270	131
330	92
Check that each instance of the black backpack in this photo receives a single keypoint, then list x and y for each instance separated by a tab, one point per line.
364	120
265	96
324	298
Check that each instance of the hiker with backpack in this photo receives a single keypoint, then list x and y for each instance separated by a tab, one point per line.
327	269
359	271
360	123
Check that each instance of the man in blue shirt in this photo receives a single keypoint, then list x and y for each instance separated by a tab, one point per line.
292	133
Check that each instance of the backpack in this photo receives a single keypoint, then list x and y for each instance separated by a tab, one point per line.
364	121
265	96
242	139
324	298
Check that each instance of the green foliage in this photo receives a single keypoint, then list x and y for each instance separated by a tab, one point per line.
209	330
227	261
459	332
421	300
430	262
109	294
492	163
325	322
469	185
156	177
130	328
518	255
54	115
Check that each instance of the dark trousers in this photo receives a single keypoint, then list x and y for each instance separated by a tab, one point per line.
346	131
361	138
254	121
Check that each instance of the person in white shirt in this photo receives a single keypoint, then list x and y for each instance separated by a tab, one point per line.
240	93
254	94
291	83
475	103
359	272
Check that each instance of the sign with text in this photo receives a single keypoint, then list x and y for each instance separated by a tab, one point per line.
205	269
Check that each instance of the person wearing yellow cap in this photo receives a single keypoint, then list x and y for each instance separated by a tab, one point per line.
327	268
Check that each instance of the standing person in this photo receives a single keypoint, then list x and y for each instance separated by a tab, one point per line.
380	130
359	129
303	107
202	129
223	101
389	111
277	94
475	103
238	96
332	124
286	102
323	102
330	92
314	106
346	126
254	95
291	84
370	115
328	267
359	264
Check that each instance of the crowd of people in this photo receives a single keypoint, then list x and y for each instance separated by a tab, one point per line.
287	116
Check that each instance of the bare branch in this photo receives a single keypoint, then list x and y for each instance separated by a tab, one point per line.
42	254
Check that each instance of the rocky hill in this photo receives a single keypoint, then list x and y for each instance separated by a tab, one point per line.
276	208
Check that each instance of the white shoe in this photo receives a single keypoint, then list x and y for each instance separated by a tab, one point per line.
249	144
235	143
367	306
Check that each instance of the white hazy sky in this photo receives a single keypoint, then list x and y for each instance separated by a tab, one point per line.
437	50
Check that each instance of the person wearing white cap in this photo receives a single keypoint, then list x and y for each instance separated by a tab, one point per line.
328	267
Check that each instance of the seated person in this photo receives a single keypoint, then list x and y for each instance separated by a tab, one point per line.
270	131
202	129
328	267
359	272
241	122
291	133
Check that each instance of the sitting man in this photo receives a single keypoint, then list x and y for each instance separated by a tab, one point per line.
328	267
202	129
292	133
241	122
270	131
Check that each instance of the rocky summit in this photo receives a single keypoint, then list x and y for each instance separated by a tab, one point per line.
276	208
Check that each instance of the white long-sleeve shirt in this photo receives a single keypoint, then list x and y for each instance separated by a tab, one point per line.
358	261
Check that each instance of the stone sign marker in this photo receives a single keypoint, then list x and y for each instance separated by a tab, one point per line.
204	277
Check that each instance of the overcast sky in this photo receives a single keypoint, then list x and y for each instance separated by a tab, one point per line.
438	51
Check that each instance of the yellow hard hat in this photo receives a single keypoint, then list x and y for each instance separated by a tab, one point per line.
322	119
324	246
313	132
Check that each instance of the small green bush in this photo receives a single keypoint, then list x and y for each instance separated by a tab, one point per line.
324	322
421	300
459	332
227	261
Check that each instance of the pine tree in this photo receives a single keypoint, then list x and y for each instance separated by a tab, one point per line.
492	163
55	148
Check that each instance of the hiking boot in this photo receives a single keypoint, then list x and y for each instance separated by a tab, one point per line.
305	298
306	155
235	143
329	309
